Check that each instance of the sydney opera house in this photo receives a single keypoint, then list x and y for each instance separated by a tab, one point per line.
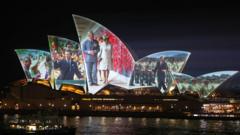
99	74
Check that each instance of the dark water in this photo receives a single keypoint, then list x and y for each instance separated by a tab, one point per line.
150	126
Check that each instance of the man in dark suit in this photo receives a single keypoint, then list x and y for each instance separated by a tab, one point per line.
161	69
67	67
91	48
26	67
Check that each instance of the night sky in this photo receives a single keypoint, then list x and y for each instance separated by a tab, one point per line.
212	35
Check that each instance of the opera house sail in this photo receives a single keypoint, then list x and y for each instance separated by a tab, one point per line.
107	59
203	85
100	60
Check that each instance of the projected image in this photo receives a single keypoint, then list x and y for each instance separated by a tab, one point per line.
36	64
107	59
183	82
68	66
203	85
207	83
155	70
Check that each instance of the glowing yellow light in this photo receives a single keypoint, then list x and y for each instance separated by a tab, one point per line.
43	82
106	92
86	99
80	92
73	107
16	106
77	107
31	127
12	126
73	89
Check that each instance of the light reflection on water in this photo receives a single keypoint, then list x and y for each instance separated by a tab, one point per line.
129	125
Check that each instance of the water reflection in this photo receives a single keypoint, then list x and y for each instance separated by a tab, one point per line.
5	118
65	121
130	120
157	120
117	120
77	121
130	125
89	121
143	122
103	121
203	124
186	122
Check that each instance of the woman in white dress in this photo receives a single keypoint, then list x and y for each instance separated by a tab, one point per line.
105	59
100	42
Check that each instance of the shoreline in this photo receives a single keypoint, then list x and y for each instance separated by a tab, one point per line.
168	115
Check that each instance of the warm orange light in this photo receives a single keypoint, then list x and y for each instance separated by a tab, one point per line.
43	82
106	92
72	89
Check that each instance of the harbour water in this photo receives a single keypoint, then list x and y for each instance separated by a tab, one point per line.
153	126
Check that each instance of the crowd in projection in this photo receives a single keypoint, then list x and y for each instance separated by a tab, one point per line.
155	70
36	64
101	58
68	66
204	84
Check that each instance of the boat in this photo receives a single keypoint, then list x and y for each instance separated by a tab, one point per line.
50	125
